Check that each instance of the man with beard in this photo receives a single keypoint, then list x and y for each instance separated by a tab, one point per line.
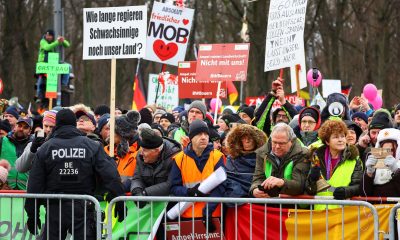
12	147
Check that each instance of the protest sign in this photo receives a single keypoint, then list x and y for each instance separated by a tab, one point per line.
292	99
222	62
167	92
331	86
114	32
302	74
284	42
189	87
168	33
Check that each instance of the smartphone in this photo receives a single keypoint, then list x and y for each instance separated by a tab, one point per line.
40	133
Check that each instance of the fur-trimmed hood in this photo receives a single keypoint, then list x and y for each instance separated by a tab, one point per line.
234	138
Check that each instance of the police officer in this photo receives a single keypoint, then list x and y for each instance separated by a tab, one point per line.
69	163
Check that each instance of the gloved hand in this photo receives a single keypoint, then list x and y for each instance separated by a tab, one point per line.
37	142
315	173
139	192
211	226
31	225
391	163
370	164
194	192
119	211
339	193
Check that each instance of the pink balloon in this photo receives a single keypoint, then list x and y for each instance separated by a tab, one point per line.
370	92
314	77
377	102
213	104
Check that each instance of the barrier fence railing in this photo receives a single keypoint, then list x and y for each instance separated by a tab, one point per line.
272	218
84	212
394	222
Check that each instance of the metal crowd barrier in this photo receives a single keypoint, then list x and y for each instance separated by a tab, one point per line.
294	204
90	207
394	223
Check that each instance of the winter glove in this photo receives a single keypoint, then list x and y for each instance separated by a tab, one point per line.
31	225
37	142
370	164
315	173
120	211
339	193
139	192
391	163
211	227
194	192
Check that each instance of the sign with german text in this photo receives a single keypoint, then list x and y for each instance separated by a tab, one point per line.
222	62
189	87
114	32
168	33
285	31
193	230
167	91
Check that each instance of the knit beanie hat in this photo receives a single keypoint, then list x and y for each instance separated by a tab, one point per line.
50	116
353	126
159	112
381	120
4	169
13	111
149	139
50	32
249	111
5	125
311	113
101	110
360	115
199	105
230	118
103	120
196	127
126	125
168	116
145	116
65	117
214	135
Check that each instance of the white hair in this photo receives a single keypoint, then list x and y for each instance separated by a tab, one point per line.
283	127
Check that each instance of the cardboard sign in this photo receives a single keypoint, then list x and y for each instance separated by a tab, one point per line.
331	86
188	232
284	44
167	94
114	32
189	87
222	62
168	33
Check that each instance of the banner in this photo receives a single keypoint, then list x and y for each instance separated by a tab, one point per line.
292	99
167	92
168	33
114	32
270	223
222	62
284	46
189	87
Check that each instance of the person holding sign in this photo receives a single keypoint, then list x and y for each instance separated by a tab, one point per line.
384	180
283	114
191	166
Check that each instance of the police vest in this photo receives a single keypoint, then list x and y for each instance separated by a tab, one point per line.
340	178
287	173
15	180
191	176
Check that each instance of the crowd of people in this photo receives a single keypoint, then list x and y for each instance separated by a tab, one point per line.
265	152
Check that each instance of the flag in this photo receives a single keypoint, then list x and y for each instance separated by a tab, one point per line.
346	89
139	100
232	92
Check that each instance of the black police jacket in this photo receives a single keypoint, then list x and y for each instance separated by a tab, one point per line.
69	163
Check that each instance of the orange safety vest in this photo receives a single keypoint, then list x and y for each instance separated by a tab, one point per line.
126	166
192	176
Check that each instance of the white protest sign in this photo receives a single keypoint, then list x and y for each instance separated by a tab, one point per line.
302	73
331	86
168	96
114	32
285	31
168	33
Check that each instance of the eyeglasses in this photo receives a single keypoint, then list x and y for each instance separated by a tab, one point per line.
308	122
279	143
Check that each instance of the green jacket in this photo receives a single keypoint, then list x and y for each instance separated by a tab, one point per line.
350	153
301	166
46	47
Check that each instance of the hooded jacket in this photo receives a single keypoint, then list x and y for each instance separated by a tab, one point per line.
153	178
336	97
301	167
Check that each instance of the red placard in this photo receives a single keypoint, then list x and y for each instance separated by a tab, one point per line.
189	87
293	99
222	62
187	231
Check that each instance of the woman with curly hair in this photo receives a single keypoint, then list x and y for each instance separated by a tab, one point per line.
336	162
242	142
